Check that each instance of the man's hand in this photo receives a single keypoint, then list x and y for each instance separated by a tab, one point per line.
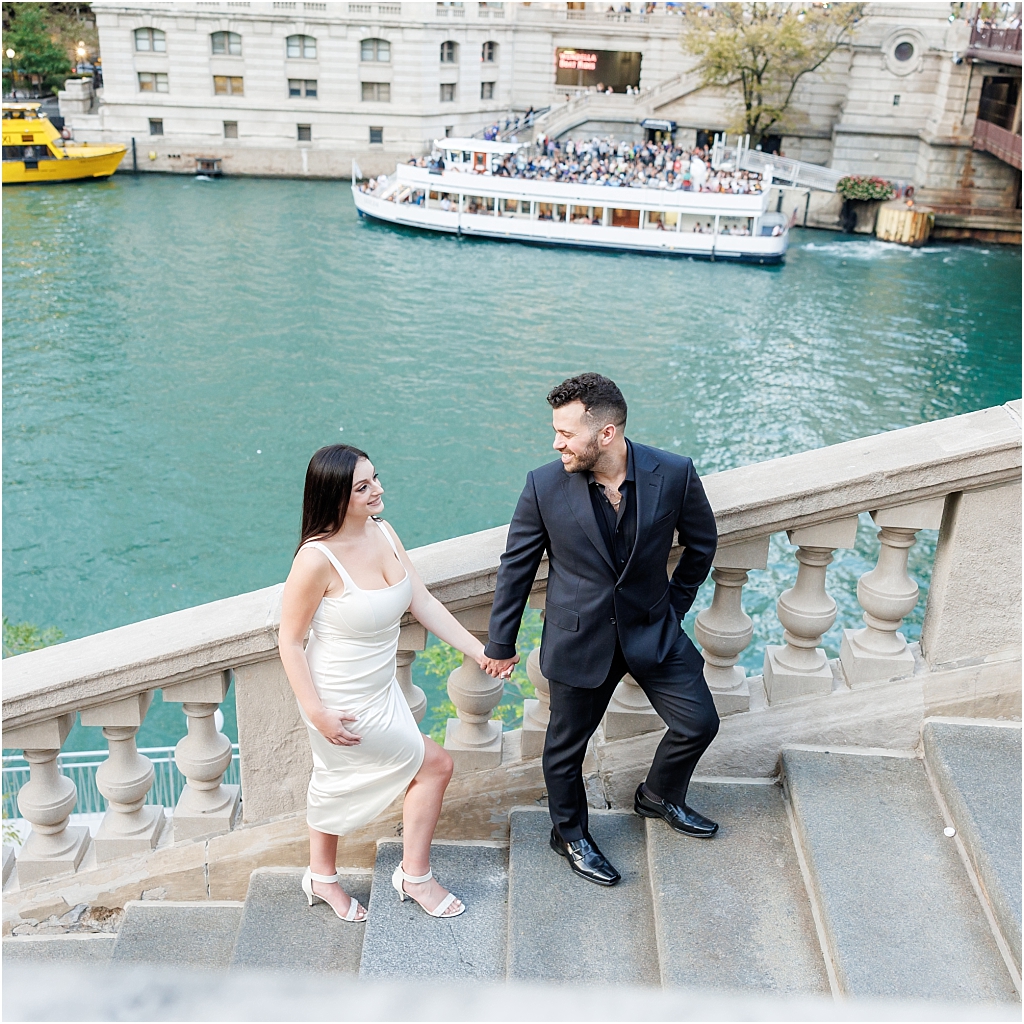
499	669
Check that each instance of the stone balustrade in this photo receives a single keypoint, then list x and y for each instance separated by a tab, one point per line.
961	476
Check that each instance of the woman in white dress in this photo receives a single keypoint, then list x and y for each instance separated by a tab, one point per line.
350	584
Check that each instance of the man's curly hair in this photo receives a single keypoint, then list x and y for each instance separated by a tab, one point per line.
600	396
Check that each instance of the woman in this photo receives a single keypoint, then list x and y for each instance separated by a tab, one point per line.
350	584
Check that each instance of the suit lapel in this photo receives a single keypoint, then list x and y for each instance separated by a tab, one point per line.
648	491
577	494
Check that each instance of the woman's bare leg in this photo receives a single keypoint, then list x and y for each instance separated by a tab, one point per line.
323	859
420	812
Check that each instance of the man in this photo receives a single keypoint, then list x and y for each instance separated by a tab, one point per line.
606	514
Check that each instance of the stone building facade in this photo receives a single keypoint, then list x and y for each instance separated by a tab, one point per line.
306	88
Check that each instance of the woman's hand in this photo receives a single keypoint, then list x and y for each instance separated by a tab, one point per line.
331	725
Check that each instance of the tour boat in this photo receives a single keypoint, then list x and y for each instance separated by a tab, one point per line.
467	198
33	150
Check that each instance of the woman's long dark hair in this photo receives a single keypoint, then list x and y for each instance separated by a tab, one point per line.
328	489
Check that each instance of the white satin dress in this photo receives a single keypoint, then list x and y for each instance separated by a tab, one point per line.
351	655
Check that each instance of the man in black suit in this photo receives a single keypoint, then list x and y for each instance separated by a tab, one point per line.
607	514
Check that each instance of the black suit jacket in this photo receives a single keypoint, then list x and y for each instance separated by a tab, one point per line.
589	604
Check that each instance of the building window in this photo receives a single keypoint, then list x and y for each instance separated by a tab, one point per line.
489	52
150	81
449	52
447	92
376	136
487	90
230	129
303	47
156	126
903	51
375	50
228	43
302	87
305	132
376	92
227	85
896	100
150	40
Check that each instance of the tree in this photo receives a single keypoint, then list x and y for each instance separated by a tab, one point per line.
35	52
767	48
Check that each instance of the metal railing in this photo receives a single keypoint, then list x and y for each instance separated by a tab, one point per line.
984	37
80	766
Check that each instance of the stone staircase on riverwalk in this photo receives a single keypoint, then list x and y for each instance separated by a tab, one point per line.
842	880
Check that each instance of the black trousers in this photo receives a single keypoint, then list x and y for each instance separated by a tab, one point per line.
679	694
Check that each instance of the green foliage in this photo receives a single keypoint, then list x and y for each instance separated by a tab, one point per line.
855	186
23	636
35	45
440	660
766	48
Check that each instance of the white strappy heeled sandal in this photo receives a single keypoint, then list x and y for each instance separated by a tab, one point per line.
400	877
353	905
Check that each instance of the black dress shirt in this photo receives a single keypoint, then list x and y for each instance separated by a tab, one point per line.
618	528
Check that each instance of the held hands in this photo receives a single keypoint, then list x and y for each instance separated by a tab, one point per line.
500	669
331	725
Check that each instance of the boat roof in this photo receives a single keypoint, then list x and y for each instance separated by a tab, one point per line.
478	145
22	106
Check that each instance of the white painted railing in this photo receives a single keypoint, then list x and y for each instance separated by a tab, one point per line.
960	475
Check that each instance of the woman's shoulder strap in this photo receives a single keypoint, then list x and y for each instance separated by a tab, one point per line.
387	533
320	546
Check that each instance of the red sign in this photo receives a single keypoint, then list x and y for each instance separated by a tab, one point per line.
573	60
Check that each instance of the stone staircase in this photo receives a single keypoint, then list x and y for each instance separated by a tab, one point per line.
841	880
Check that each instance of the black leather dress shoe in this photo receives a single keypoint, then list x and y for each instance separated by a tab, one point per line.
585	859
683	819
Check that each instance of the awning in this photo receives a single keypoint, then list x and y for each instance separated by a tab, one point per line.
658	125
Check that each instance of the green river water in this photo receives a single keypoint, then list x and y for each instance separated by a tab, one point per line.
175	350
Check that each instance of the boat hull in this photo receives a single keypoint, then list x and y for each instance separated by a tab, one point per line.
739	249
78	164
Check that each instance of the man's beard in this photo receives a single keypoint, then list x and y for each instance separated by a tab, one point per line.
587	460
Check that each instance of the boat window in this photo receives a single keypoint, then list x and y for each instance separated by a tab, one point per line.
697	225
514	208
447	201
625	218
226	85
301	47
657	220
734	225
550	211
480	162
150	39
773	224
30	154
378	50
412	196
449	52
150	81
480	204
586	214
229	43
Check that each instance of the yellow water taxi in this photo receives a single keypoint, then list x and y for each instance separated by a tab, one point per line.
33	150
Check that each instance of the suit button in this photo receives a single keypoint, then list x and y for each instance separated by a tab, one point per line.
619	589
612	621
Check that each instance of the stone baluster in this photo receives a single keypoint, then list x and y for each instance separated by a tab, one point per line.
724	629
206	807
536	710
630	712
474	738
801	668
887	593
411	639
130	825
46	801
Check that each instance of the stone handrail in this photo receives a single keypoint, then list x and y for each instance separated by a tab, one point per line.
904	478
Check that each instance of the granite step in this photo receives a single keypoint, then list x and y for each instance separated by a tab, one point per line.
199	935
565	929
59	949
732	912
900	916
279	931
402	940
977	768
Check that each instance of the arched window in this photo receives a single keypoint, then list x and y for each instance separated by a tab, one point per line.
301	46
150	39
375	50
226	43
449	52
489	52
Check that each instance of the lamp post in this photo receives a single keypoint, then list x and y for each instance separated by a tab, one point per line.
10	54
